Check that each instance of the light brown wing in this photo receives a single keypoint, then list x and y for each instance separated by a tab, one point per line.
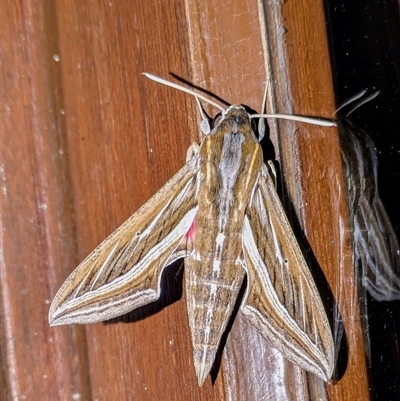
123	272
282	300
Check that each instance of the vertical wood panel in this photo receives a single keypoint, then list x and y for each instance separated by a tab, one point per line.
313	173
37	218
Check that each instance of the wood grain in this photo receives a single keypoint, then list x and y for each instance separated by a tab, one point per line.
38	229
86	139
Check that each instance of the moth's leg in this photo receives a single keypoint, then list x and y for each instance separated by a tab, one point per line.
180	269
272	171
192	150
205	123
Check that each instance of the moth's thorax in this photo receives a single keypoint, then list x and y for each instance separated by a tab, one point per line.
230	161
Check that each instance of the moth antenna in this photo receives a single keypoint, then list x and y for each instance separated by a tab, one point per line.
315	121
362	102
264	102
351	100
261	122
359	95
183	89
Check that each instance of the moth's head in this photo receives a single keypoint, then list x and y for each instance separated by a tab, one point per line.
235	118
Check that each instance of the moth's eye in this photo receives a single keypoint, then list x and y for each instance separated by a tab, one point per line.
217	119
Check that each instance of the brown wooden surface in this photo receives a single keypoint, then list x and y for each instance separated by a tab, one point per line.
312	167
86	140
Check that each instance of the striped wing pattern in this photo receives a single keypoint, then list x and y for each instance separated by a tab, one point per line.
123	272
282	300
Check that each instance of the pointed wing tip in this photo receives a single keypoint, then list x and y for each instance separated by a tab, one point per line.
325	376
330	361
60	315
61	318
54	320
51	317
324	370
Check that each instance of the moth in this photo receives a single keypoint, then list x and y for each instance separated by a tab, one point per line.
222	214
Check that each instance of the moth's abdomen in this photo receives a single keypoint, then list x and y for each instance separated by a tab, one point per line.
212	287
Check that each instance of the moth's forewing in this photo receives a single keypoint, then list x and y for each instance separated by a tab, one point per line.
282	300
123	272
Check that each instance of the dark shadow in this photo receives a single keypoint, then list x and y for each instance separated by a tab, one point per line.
266	143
